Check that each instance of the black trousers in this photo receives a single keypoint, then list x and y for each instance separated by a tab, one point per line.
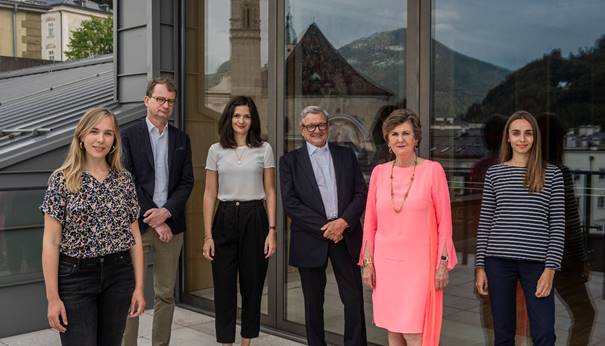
96	293
239	231
502	276
348	279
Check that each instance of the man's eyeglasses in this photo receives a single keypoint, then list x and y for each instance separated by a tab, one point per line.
161	100
313	127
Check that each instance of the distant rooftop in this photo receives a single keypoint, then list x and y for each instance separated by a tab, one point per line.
46	4
90	5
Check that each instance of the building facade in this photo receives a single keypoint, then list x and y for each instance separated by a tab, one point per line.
20	28
63	18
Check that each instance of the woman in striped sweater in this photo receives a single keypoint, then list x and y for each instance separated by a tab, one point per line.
521	232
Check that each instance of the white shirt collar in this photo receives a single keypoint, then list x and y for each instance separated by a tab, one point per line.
151	126
313	149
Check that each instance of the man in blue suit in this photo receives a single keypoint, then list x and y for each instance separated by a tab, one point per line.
324	194
159	157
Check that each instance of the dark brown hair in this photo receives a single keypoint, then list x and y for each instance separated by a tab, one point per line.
534	176
225	127
169	83
398	117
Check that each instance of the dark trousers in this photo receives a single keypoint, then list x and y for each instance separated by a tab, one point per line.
96	293
348	279
502	276
239	231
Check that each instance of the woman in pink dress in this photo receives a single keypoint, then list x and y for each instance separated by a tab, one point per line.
407	246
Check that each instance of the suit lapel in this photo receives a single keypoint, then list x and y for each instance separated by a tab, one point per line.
306	167
171	148
146	142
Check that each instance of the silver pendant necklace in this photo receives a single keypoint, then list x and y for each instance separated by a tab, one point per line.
240	156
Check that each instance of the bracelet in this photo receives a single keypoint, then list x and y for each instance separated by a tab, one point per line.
207	238
272	227
367	261
444	258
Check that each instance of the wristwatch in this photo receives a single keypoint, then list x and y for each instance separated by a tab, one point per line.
444	258
367	261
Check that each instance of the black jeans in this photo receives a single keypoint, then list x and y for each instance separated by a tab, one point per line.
96	293
502	276
239	232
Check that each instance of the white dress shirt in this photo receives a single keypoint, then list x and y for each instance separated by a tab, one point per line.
159	146
323	169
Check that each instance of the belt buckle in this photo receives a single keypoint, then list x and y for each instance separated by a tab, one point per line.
237	204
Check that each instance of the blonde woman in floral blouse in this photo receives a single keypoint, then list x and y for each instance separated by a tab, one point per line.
92	256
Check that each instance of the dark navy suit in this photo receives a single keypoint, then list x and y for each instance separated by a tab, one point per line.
309	250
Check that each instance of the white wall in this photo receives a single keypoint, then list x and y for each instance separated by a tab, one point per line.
64	20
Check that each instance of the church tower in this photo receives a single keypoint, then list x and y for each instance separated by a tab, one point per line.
245	48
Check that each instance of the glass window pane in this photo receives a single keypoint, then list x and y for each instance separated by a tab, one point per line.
226	55
489	59
21	226
347	57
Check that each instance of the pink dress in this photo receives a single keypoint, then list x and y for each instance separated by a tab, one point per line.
404	247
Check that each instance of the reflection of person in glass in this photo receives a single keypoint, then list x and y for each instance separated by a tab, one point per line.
92	255
521	233
381	153
323	193
240	237
407	246
570	281
492	135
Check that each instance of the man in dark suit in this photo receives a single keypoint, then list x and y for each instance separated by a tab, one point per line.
159	157
324	194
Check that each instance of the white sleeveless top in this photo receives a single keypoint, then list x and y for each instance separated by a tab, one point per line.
240	171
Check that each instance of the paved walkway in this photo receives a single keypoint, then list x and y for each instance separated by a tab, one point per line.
188	328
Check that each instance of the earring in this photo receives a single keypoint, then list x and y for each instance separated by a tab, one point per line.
81	145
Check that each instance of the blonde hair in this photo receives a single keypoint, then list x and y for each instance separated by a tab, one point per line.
534	176
76	156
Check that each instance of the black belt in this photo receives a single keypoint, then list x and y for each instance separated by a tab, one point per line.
94	260
240	203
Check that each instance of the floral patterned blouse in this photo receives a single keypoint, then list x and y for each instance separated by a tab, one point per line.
96	220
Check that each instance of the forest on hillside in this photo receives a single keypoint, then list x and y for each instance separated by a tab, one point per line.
572	88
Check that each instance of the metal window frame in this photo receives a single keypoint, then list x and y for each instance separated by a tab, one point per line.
418	83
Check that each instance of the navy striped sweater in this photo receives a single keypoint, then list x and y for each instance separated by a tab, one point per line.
517	224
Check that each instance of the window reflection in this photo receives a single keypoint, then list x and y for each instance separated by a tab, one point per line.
226	55
527	59
347	57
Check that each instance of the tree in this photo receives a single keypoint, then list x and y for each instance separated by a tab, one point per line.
94	37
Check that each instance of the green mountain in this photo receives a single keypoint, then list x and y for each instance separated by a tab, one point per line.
459	80
573	88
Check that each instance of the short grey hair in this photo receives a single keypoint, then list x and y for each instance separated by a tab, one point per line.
312	110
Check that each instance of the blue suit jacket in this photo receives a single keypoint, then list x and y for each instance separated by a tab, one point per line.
138	159
303	204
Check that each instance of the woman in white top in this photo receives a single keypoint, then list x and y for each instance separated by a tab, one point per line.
240	173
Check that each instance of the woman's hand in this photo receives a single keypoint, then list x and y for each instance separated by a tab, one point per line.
544	286
137	303
481	281
368	276
57	315
208	249
441	276
270	244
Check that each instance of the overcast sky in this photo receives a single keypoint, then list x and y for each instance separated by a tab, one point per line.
507	33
